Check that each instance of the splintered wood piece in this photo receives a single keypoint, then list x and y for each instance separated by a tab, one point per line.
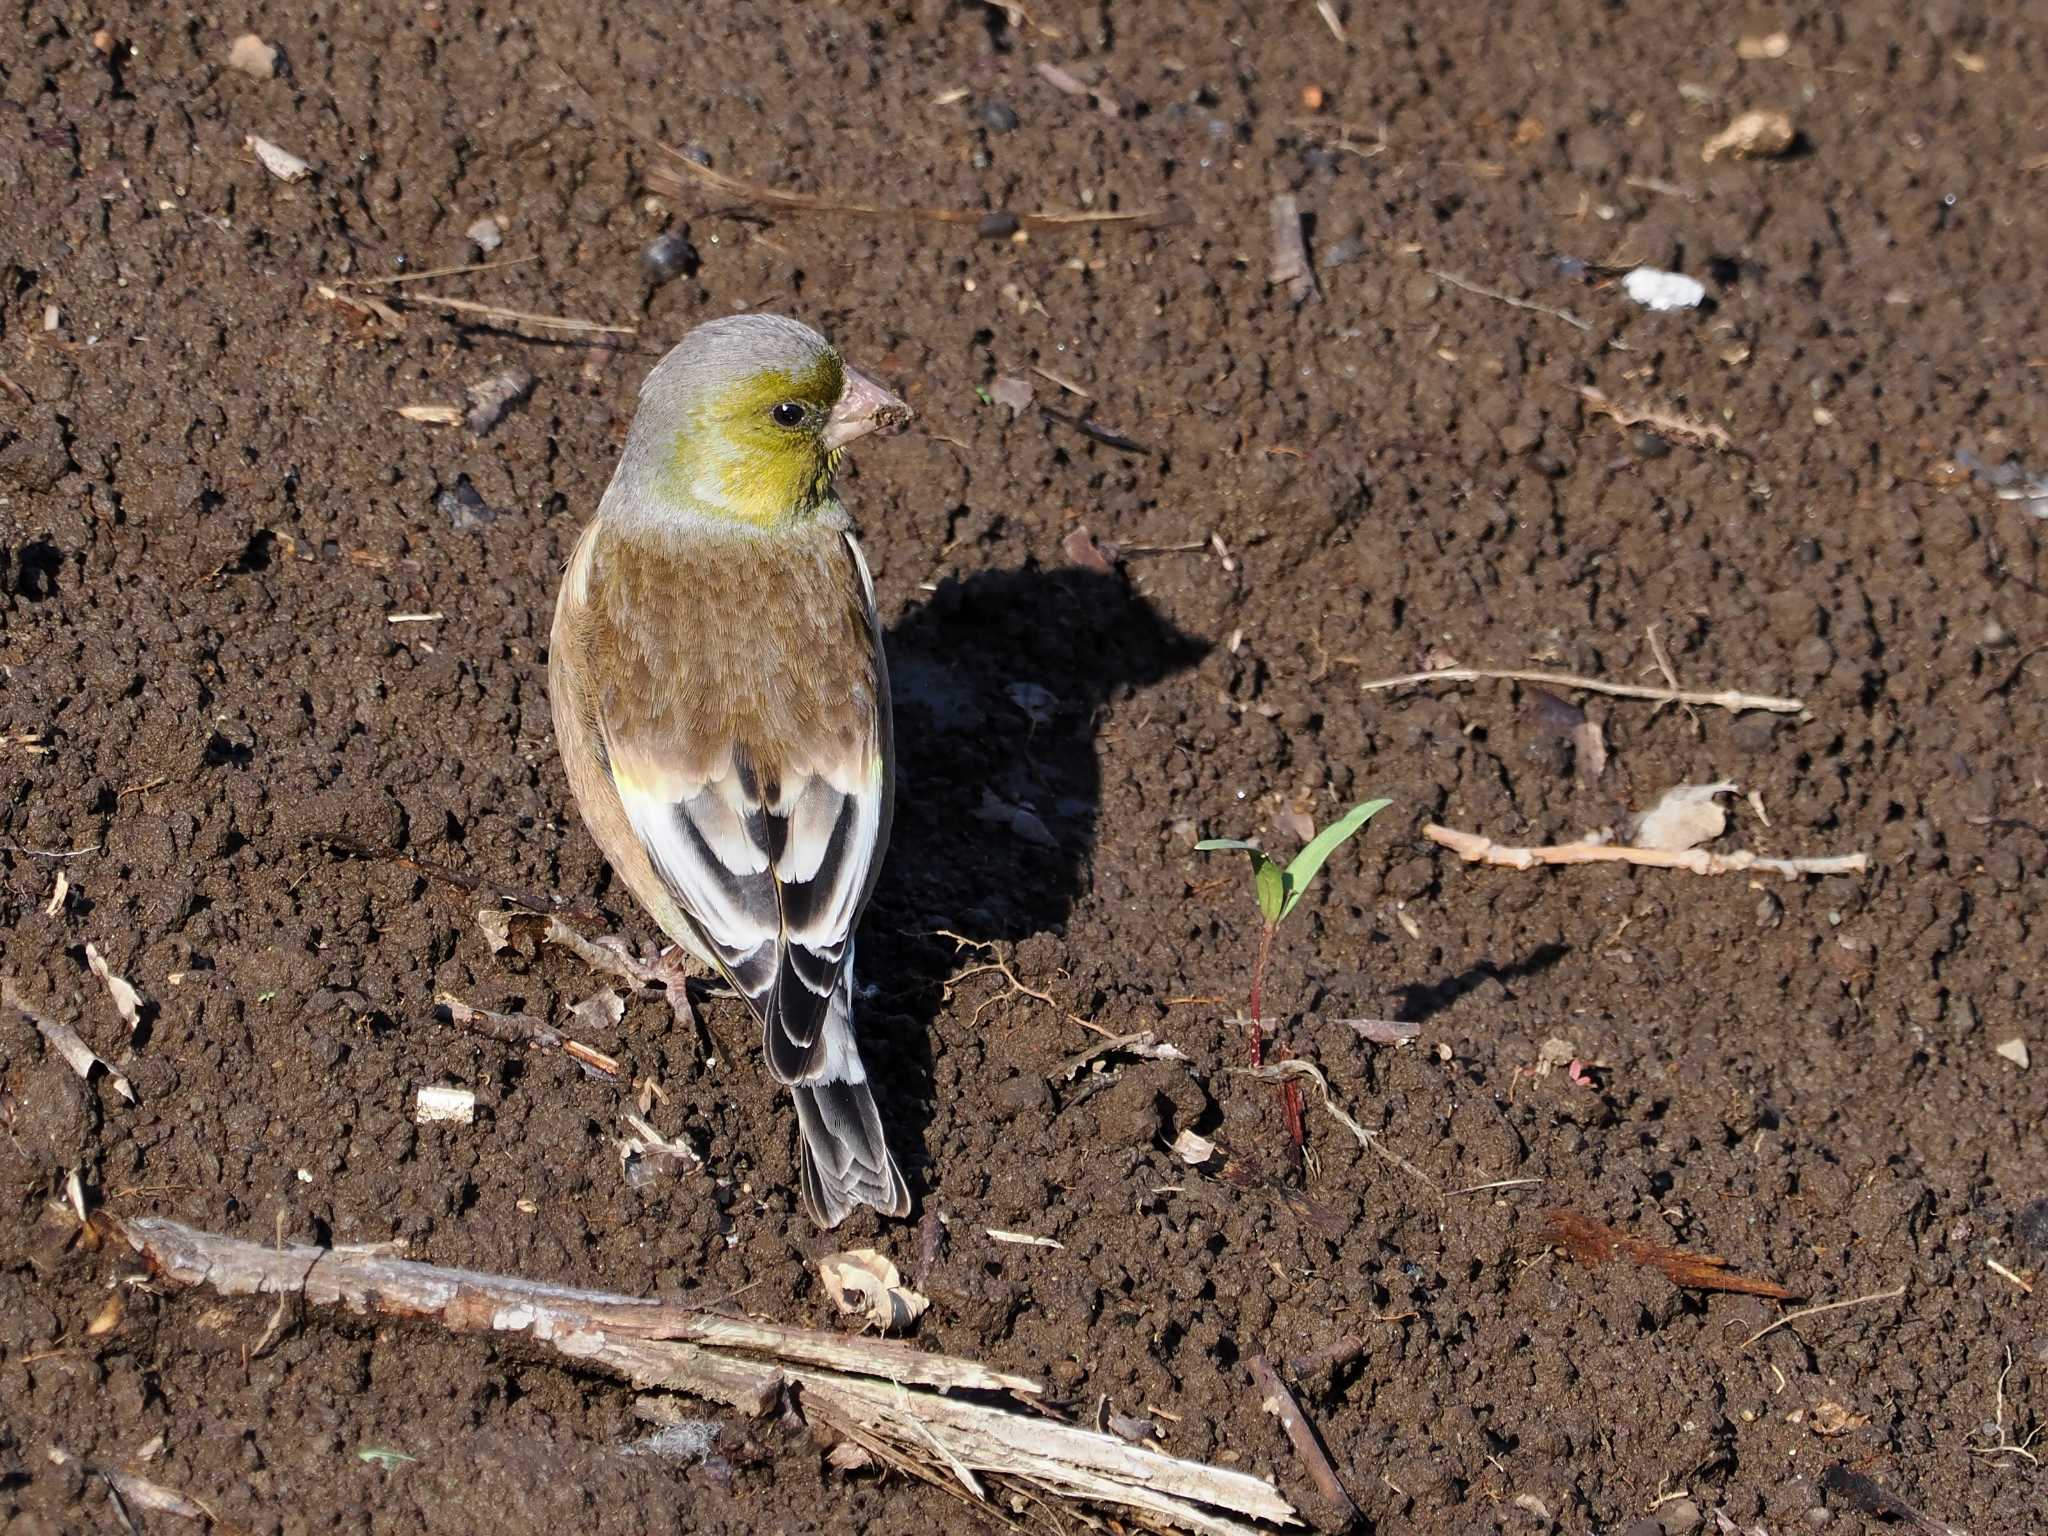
1593	1243
876	1392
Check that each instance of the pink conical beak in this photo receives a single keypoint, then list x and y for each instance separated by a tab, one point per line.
863	407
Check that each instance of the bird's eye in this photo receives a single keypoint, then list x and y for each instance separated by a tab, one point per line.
788	414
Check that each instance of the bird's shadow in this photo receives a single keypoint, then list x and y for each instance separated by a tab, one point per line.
999	680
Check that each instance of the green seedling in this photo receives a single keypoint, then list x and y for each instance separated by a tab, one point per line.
1279	889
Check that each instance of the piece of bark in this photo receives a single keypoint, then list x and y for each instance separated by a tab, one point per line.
1593	1243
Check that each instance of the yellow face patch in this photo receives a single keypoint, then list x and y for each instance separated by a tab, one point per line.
754	452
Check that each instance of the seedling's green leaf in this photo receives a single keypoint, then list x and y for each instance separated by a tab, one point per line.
1269	884
1272	888
379	1456
1310	860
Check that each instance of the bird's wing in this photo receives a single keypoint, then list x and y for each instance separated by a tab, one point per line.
769	861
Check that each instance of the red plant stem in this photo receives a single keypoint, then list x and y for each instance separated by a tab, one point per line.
1258	990
1290	1092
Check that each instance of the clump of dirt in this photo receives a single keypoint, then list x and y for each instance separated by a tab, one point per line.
272	668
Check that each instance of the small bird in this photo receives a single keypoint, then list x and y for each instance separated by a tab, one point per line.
721	705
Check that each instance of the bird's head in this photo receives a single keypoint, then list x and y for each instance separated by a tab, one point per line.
746	418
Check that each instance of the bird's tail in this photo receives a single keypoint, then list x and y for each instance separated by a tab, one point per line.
846	1161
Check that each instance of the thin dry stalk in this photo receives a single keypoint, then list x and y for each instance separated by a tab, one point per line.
421	277
1501	298
1475	848
1833	1306
498	312
682	171
1663	660
1724	699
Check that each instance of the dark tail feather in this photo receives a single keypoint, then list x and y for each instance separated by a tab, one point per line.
846	1161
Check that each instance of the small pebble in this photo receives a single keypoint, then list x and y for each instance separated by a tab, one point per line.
1663	290
668	255
1752	136
697	154
250	55
998	117
485	235
999	225
464	506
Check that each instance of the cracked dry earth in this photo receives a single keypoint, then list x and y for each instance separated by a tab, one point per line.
212	729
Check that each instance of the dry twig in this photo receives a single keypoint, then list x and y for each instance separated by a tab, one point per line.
1833	1306
519	1029
1475	848
1725	699
1278	1401
876	1391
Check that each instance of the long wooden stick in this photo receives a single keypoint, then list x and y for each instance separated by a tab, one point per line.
877	1391
1474	848
1726	698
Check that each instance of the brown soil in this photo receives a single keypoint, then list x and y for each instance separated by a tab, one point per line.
211	512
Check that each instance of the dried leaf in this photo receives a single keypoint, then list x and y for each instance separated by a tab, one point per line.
1192	1149
865	1284
1829	1419
1589	749
1593	1243
1013	391
1022	1239
489	399
127	1001
1290	252
599	1011
1752	136
281	163
82	1057
63	889
433	415
1082	550
1685	816
849	1456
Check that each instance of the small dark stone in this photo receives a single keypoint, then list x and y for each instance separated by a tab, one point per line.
668	255
2032	1224
697	154
464	505
1022	1094
999	225
998	117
